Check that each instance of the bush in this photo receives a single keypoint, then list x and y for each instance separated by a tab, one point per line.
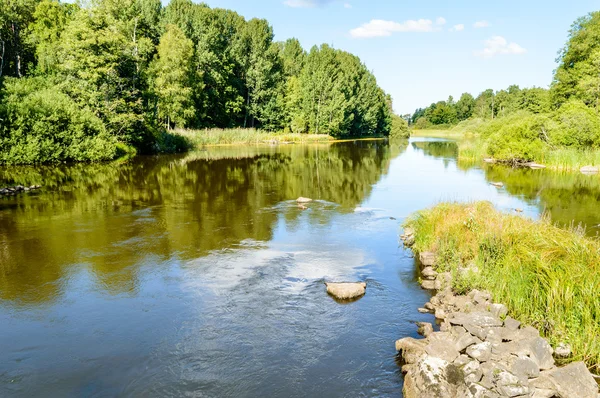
422	123
521	137
399	128
579	126
40	124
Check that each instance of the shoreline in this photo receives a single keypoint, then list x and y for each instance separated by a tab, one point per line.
480	351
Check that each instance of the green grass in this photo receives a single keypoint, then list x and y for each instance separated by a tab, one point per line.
547	276
200	138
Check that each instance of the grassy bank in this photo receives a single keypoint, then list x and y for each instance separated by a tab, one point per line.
199	138
547	276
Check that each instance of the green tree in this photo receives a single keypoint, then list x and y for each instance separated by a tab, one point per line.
171	78
465	107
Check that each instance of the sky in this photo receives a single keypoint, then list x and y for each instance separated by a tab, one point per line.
424	51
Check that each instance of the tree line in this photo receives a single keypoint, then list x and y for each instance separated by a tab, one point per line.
83	81
526	124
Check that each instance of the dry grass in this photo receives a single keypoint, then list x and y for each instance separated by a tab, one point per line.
547	276
208	137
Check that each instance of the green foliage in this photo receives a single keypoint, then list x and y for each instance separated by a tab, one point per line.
544	274
579	126
43	125
399	128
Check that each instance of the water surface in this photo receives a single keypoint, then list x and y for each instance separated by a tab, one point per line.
198	275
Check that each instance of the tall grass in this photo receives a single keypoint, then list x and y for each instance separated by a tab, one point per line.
199	138
547	276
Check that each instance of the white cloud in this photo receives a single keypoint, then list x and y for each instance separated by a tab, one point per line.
457	28
347	5
498	45
306	3
481	24
382	28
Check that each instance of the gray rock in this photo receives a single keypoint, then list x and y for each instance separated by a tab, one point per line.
441	349
346	291
494	335
425	328
430	285
540	352
511	324
429	273
510	385
476	331
589	170
481	352
462	360
429	306
433	378
423	310
303	200
574	381
525	368
440	313
479	319
465	340
411	349
427	259
480	297
562	351
498	310
478	391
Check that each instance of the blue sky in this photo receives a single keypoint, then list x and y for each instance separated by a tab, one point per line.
414	48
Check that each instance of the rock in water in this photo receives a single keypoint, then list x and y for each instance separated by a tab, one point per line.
589	170
303	200
346	291
497	184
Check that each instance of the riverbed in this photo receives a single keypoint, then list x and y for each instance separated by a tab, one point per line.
199	275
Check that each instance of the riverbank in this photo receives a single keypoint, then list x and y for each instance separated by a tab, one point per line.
486	347
546	276
239	136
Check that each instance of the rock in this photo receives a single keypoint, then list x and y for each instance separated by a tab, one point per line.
430	285
525	368
511	324
411	349
529	332
302	207
429	306
441	349
589	170
440	313
429	273
346	291
427	259
423	310
498	310
536	166
480	297
481	352
433	378
497	184
425	328
540	352
510	385
476	331
303	200
572	381
489	160
494	335
562	351
462	360
465	340
478	391
479	319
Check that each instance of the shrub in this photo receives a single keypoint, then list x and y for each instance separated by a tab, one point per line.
579	126
40	124
399	128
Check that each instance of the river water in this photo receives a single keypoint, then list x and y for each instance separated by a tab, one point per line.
198	275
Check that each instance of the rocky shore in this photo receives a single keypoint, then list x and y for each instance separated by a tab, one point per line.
481	352
10	191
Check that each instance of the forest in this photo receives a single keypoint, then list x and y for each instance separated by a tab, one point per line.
535	124
94	80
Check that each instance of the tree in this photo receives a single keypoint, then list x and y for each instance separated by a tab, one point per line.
465	107
15	54
171	82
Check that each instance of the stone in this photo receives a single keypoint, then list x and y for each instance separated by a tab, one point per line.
510	385
589	170
465	340
540	352
529	332
511	324
478	391
430	285
423	310
434	378
427	259
425	329
440	313
536	166
476	331
411	349
494	335
497	184
480	297
303	200
429	306
525	368
481	352
480	319
462	360
562	351
489	160
441	349
429	273
302	207
574	381
346	291
498	310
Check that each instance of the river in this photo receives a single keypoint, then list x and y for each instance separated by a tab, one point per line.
198	275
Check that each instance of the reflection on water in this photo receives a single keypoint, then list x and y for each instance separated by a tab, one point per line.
198	275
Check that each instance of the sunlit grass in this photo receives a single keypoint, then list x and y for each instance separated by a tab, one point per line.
547	276
199	138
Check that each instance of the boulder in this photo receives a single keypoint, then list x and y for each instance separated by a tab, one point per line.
589	170
433	378
498	310
423	310
511	324
497	184
480	319
425	328
429	273
481	352
411	349
465	340
525	368
303	200
431	284
346	291
427	259
562	351
439	348
509	385
572	381
541	352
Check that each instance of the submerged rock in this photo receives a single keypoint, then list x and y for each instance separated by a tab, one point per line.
303	200
534	166
346	290
497	184
489	160
589	170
